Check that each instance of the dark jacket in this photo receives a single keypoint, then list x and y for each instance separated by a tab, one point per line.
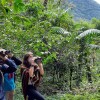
16	60
8	67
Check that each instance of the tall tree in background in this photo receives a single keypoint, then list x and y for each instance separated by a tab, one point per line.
45	3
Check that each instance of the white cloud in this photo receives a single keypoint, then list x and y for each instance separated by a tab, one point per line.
98	1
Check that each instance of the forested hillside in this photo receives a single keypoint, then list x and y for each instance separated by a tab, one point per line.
85	9
70	49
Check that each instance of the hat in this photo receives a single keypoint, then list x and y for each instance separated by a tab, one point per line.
2	50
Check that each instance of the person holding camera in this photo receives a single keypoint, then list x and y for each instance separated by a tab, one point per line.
6	66
9	78
31	72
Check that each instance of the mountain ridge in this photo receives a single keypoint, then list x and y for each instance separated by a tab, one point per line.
85	9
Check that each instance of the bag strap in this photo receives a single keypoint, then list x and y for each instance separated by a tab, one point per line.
23	73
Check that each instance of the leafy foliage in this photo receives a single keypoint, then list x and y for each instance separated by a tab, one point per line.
50	33
88	32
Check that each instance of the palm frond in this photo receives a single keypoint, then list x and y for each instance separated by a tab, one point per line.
88	32
59	30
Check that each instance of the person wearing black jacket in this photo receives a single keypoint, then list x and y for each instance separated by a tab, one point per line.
6	66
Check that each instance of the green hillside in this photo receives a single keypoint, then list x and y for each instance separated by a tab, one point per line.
85	9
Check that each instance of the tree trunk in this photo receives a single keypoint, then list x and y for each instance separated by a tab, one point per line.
89	74
45	3
59	2
88	69
80	60
70	85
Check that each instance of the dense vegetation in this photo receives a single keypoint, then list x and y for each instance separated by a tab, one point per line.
70	50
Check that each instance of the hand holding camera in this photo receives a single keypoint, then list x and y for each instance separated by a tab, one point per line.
3	54
38	60
35	61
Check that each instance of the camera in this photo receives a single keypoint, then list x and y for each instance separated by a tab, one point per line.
38	59
4	52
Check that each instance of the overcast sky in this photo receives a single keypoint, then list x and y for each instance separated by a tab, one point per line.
97	1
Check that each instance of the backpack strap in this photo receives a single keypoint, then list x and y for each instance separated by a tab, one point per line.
23	72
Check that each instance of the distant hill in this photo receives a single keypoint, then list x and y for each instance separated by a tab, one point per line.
85	9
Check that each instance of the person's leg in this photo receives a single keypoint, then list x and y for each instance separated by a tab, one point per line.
9	95
33	94
3	98
30	95
30	98
2	94
37	95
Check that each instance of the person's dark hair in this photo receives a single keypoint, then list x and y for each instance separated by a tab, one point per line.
25	60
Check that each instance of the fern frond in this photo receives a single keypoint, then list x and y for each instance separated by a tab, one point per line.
88	32
59	30
92	46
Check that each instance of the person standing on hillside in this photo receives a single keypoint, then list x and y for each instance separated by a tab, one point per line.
6	66
9	79
31	72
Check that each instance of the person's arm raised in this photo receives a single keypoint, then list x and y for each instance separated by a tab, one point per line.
41	68
16	60
12	67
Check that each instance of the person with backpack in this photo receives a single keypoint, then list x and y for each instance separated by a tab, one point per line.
31	72
6	66
9	79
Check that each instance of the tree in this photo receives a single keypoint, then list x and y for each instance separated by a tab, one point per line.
86	37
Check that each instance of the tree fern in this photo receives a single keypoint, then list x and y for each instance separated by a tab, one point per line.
59	30
88	32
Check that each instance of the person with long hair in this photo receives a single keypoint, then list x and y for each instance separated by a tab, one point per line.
31	72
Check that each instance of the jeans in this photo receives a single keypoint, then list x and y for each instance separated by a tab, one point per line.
2	93
3	98
33	94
